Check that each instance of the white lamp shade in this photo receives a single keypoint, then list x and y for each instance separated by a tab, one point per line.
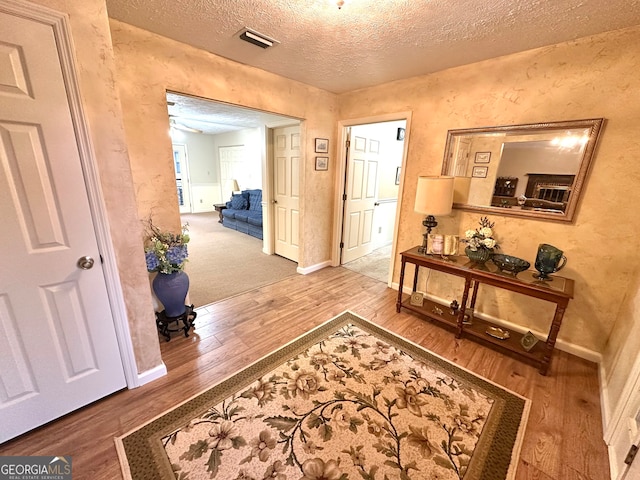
434	195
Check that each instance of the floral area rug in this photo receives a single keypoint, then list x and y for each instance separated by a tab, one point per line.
348	400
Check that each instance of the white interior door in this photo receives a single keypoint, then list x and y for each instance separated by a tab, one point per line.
58	347
361	191
232	165
287	191
625	434
632	465
181	170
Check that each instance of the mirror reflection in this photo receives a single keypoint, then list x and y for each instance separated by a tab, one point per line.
534	170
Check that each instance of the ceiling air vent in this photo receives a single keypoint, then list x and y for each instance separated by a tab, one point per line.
256	38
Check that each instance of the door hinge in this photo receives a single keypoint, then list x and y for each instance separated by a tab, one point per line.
631	455
101	260
348	143
344	197
341	245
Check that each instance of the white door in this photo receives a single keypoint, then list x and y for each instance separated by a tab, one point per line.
361	191
181	171
58	348
286	190
632	464
626	433
232	166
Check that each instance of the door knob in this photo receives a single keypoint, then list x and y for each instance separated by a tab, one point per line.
377	204
85	263
275	201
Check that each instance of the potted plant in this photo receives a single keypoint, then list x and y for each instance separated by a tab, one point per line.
480	242
166	253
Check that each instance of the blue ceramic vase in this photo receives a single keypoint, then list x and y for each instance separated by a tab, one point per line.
171	289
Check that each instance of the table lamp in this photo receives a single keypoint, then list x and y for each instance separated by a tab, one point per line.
434	196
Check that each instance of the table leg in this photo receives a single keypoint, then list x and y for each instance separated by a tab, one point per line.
399	302
551	339
474	295
463	306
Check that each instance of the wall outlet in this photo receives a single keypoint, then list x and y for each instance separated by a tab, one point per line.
379	229
200	200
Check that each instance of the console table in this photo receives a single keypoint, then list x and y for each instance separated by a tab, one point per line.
558	291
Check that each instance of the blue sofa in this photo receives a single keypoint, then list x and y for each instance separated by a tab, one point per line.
244	213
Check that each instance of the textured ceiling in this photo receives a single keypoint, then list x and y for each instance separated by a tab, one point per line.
214	117
369	42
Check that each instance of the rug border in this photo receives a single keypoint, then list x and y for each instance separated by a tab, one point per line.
371	327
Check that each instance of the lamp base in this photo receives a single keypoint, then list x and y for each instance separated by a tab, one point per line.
429	222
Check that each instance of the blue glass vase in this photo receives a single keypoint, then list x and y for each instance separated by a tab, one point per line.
171	289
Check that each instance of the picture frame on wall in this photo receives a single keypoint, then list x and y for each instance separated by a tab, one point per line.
480	172
482	157
322	163
322	145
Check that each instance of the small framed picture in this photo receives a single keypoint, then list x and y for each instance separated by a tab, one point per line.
400	134
322	163
322	145
482	157
528	341
397	175
417	299
374	146
480	172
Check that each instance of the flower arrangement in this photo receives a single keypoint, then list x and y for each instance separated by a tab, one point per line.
166	252
481	238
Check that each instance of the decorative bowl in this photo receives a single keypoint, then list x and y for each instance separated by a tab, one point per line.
509	263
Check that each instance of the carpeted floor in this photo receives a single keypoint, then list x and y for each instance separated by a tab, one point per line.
223	263
375	265
346	400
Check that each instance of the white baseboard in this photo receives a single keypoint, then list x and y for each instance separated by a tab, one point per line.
151	375
313	268
562	345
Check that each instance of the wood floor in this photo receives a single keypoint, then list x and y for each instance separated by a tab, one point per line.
563	439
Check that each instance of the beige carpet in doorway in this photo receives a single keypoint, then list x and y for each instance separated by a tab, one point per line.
375	265
223	262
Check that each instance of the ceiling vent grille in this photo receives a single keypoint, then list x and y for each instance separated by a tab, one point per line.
256	38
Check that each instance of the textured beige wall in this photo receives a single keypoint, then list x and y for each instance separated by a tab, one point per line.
95	64
588	78
149	64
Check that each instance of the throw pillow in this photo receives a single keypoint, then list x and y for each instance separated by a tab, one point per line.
238	202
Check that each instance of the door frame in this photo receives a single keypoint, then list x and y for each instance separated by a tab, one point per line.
59	23
340	180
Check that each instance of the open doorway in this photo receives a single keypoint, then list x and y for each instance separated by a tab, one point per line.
221	152
373	153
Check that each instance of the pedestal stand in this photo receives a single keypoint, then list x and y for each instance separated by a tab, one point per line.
187	318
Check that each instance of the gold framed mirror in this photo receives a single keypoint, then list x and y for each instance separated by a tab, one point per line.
534	170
